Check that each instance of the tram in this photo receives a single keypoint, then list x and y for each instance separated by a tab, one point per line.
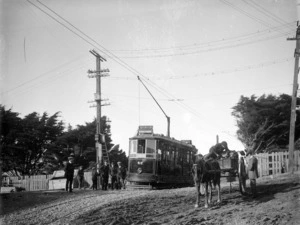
159	161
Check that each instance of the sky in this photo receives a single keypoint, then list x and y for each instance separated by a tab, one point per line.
196	57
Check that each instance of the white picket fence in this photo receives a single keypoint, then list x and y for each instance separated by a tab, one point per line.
41	182
276	162
32	183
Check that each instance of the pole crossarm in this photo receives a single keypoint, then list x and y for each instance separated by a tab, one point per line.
96	54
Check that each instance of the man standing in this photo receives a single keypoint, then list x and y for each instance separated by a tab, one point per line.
242	172
95	174
69	173
105	174
113	173
80	177
252	172
121	176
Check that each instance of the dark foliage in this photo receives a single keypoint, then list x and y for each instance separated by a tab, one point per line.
263	122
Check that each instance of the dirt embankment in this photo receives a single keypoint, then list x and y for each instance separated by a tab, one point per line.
278	203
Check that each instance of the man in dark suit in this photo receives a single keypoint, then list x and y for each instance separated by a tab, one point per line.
252	172
69	173
104	174
95	174
242	171
113	173
121	176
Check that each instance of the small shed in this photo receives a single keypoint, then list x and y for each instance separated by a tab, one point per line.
7	181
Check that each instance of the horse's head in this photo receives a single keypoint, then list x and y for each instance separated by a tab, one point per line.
198	169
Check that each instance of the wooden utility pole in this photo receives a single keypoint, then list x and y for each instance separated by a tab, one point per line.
294	101
98	73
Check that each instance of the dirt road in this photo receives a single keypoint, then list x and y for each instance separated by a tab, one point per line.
278	203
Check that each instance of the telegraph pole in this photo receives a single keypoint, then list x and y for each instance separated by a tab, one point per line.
294	101
98	73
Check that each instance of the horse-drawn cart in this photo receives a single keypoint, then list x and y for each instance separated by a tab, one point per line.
230	170
208	172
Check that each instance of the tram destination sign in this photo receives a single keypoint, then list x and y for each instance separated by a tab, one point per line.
187	141
145	130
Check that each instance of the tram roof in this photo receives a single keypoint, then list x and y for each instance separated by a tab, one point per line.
162	137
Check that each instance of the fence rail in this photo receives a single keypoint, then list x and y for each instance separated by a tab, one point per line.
276	162
32	183
41	182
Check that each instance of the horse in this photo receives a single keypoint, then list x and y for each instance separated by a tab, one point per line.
205	173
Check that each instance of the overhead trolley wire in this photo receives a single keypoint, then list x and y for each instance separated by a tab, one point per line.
116	59
266	12
213	73
57	76
207	50
41	75
247	14
180	47
211	43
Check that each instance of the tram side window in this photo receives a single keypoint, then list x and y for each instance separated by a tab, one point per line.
141	146
151	146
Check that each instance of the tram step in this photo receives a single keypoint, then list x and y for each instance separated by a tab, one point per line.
138	186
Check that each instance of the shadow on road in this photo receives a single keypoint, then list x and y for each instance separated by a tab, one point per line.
265	192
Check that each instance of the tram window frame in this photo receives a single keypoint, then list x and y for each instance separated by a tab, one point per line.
141	146
150	146
133	146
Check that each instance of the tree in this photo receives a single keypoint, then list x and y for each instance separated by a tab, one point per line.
82	139
27	142
117	155
39	144
263	122
10	128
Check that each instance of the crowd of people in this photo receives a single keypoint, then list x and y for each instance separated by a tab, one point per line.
111	176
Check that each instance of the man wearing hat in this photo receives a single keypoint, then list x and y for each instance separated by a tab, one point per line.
69	173
242	171
121	176
104	174
95	174
252	172
113	173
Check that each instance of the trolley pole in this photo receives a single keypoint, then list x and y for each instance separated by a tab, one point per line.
294	101
98	73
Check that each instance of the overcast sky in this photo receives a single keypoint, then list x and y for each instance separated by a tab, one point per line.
196	57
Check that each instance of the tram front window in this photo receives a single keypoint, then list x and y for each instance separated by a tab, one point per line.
141	146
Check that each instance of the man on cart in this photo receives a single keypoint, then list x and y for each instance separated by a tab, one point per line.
217	151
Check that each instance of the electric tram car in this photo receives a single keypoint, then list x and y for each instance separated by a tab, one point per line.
159	161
